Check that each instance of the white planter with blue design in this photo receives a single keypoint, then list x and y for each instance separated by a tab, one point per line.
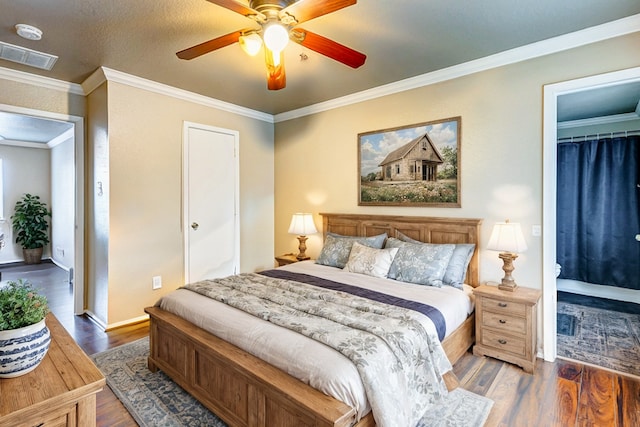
22	349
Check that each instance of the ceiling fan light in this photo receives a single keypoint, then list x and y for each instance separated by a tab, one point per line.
250	43
276	37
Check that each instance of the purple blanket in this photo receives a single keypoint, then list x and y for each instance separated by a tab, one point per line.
431	312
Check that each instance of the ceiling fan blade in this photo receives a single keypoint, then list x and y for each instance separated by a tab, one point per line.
327	47
276	78
235	7
305	10
211	45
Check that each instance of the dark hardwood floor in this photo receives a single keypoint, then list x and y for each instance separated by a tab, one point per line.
563	393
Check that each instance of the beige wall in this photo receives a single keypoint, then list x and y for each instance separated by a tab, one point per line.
39	98
501	110
97	205
145	186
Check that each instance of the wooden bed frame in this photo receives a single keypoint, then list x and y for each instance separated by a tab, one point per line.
246	391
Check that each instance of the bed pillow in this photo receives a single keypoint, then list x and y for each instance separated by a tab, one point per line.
371	241
336	249
420	263
370	261
458	264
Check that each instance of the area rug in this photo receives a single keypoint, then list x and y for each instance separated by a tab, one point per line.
566	324
153	399
599	337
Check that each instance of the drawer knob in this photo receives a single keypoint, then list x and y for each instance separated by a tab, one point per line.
502	304
502	321
502	341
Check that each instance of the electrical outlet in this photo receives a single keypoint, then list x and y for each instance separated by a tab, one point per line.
156	282
536	230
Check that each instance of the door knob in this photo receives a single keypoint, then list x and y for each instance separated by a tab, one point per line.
194	225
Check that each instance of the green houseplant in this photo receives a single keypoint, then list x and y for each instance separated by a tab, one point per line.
30	226
24	336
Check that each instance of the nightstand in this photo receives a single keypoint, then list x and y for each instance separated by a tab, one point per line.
506	325
288	259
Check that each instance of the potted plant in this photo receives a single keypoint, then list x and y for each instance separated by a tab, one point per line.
24	336
31	227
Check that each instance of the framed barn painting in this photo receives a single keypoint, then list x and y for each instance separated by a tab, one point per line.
417	165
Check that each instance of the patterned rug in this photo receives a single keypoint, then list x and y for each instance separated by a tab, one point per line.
600	337
155	400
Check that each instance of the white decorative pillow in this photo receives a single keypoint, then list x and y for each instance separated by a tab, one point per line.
370	261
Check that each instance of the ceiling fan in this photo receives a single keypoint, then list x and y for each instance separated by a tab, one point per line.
279	20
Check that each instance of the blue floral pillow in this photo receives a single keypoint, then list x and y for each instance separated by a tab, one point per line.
457	268
420	263
458	264
336	249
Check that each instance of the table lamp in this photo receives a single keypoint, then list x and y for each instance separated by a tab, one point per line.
302	224
507	238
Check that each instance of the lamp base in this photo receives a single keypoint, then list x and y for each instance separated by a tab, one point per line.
302	249
507	284
507	287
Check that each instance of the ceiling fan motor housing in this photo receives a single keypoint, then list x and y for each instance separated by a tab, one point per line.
264	5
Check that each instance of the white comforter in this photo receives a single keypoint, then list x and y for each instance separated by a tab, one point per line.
312	362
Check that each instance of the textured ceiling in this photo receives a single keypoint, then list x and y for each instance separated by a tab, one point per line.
401	38
22	128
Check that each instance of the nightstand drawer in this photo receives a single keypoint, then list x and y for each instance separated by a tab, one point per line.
509	307
504	322
508	343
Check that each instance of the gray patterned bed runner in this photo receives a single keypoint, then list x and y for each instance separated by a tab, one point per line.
396	350
431	312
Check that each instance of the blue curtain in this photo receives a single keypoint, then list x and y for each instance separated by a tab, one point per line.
598	211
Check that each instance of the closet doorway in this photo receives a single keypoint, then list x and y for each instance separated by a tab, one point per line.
552	94
211	204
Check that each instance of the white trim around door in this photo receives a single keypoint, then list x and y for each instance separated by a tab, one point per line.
550	132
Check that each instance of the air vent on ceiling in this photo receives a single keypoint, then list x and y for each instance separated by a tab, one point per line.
25	56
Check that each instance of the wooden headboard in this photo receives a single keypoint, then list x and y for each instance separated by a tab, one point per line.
422	228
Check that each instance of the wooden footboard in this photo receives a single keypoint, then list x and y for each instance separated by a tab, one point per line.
246	391
238	387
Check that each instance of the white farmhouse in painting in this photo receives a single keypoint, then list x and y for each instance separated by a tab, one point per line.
417	160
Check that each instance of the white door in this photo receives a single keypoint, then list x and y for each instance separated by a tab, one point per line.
211	227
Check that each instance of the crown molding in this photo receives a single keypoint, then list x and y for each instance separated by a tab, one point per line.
595	34
24	144
40	81
107	74
596	121
64	136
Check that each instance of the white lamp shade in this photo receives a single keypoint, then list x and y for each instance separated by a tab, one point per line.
251	43
302	224
507	237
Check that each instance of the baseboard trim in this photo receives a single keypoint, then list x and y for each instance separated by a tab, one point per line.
600	291
21	263
129	322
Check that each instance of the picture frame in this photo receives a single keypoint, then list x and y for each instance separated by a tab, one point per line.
414	165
